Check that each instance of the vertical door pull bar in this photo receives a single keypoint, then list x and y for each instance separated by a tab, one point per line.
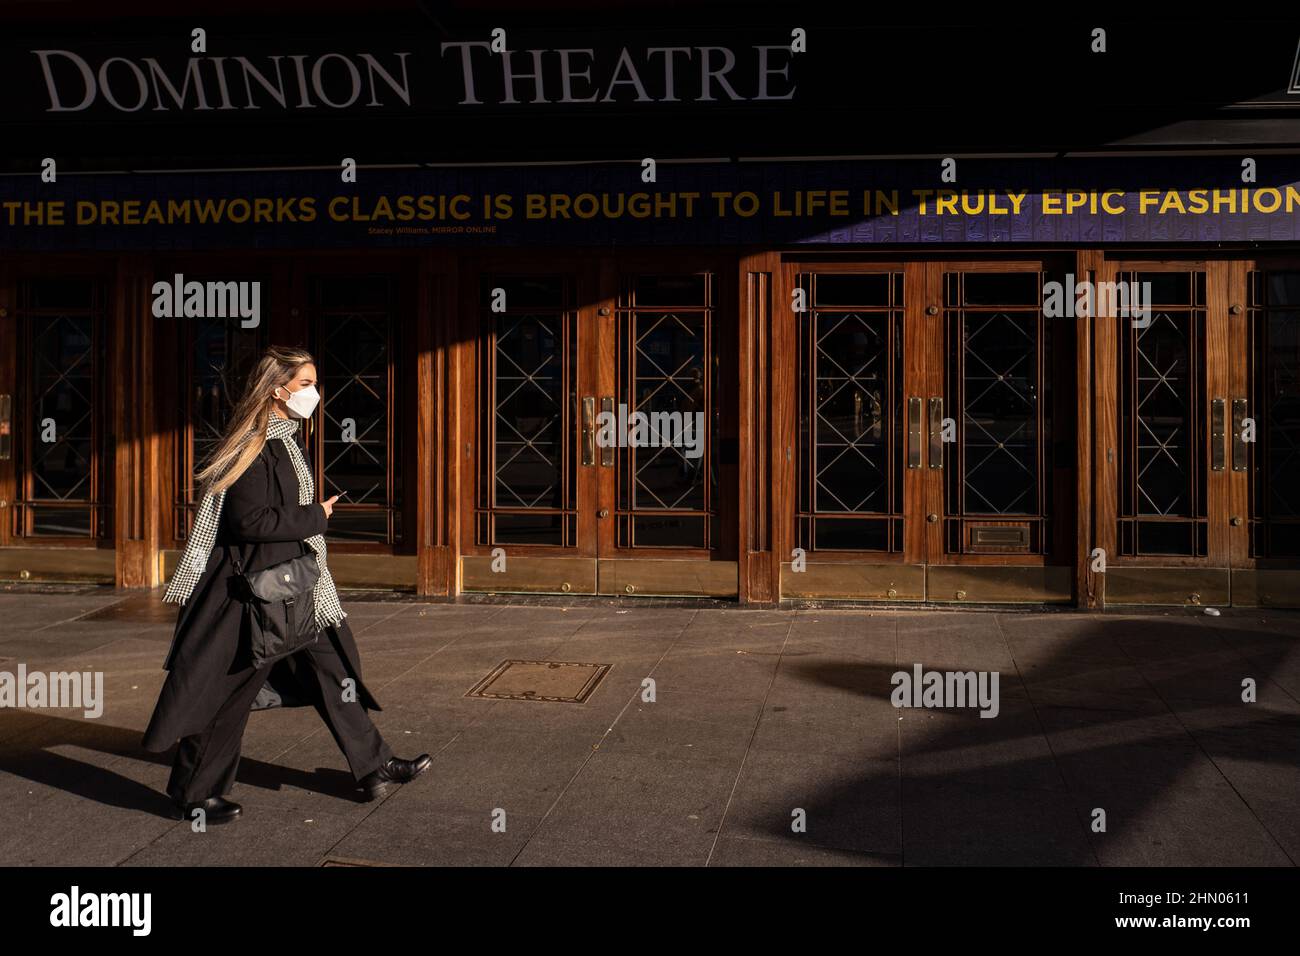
936	432
588	430
1239	452
1217	435
914	432
607	450
6	427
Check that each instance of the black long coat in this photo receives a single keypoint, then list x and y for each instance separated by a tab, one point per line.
264	524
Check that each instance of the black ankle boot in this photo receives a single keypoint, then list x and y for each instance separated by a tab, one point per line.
215	810
396	771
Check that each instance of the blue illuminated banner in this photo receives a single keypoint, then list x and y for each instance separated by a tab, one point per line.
1196	200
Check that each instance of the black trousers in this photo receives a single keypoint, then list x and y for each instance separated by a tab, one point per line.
206	763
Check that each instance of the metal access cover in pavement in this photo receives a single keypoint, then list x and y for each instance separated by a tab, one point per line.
347	861
566	682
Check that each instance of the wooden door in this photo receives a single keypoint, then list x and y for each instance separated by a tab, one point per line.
931	401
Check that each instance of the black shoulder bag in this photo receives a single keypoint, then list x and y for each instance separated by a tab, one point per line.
281	606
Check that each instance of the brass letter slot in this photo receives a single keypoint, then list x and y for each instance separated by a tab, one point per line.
936	433
589	430
607	450
6	427
1003	537
999	538
914	432
1216	435
1239	453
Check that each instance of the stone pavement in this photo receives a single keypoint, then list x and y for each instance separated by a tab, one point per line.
757	714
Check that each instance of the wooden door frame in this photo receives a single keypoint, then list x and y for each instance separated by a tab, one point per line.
759	381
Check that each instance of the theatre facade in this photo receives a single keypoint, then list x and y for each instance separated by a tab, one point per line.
918	379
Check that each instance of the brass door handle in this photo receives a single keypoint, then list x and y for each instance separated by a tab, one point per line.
936	432
589	430
914	432
607	451
602	513
6	427
1217	436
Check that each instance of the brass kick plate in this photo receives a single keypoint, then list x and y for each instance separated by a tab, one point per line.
529	575
1271	587
91	565
1170	586
633	577
854	582
374	570
971	584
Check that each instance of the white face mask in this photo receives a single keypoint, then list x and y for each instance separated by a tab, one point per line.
302	402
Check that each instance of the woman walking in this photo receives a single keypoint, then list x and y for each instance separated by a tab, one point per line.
259	510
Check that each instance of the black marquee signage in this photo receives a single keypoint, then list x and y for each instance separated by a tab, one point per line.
426	75
853	66
412	91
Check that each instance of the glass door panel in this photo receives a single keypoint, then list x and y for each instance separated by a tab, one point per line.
220	355
998	487
850	414
664	415
928	401
528	381
1165	387
1274	457
61	435
1163	421
599	432
355	329
1262	447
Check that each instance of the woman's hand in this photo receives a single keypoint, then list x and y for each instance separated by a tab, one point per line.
328	505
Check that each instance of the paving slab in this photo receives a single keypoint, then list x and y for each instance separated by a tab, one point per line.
757	715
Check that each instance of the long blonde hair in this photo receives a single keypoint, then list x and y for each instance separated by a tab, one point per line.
245	433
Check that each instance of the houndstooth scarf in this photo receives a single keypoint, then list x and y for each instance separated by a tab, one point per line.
207	520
